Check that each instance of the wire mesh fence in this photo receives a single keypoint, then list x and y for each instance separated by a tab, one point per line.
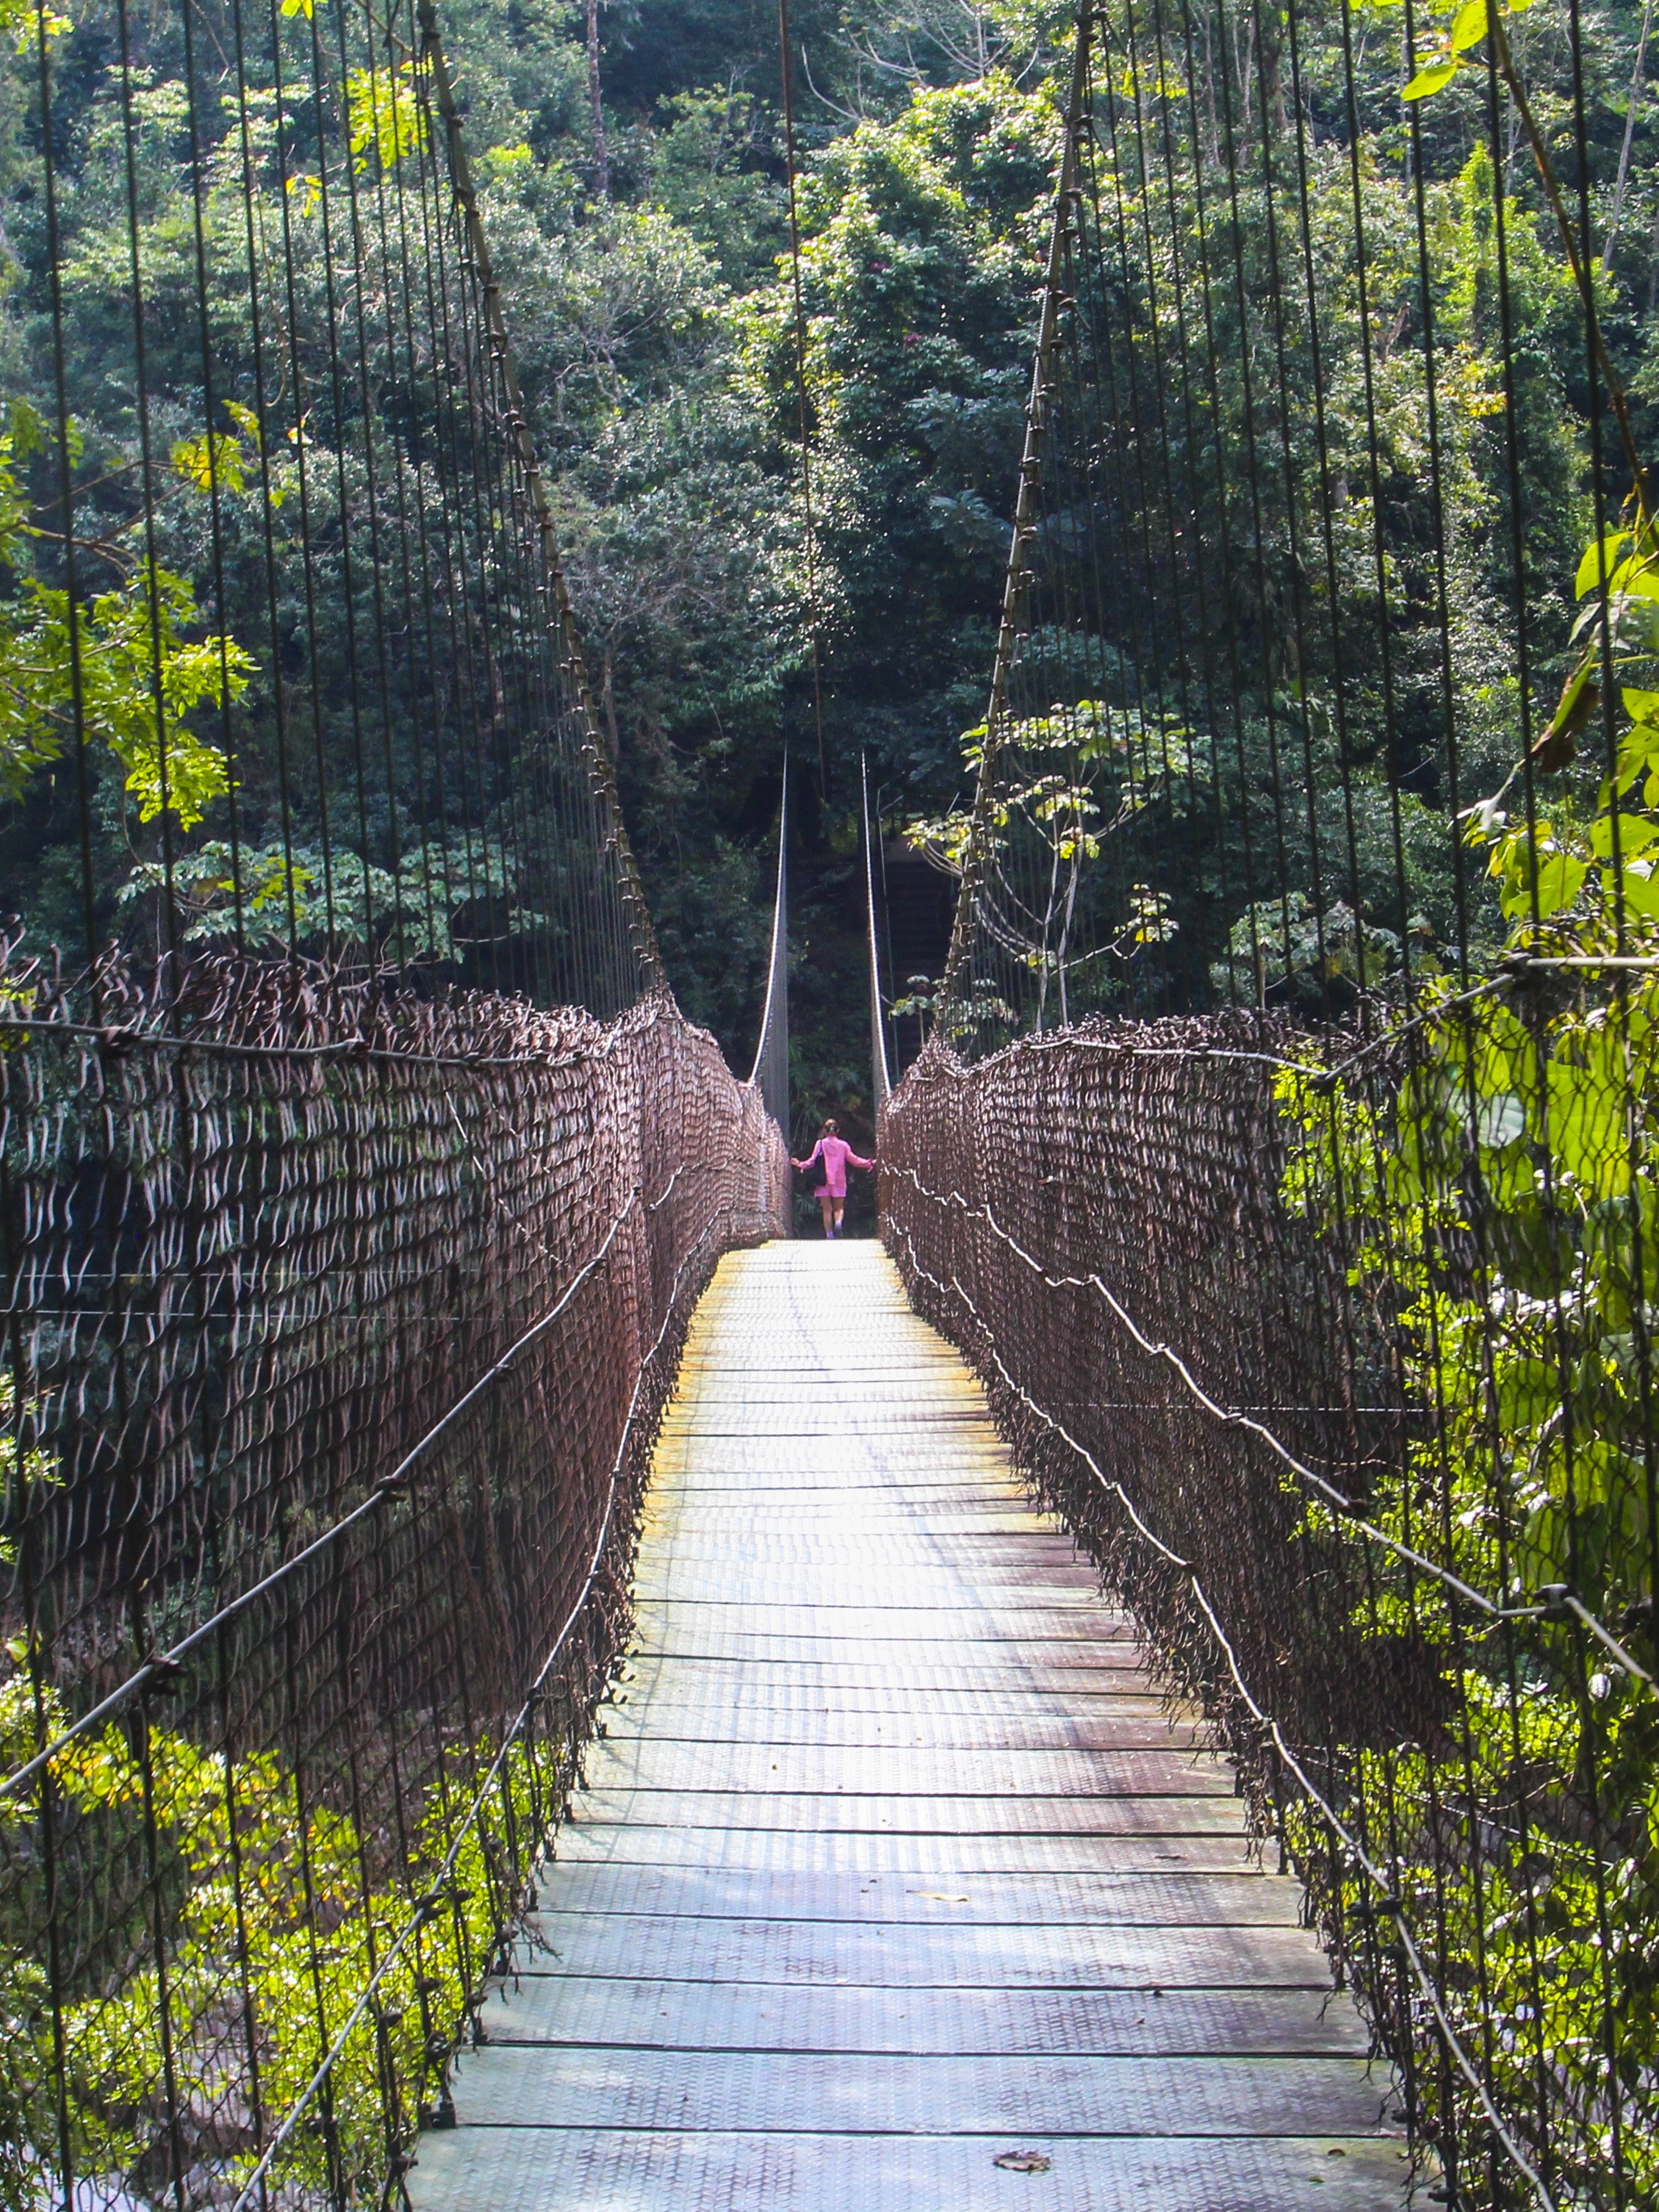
1284	1150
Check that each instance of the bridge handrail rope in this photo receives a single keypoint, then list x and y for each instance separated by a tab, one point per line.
388	1489
1234	1417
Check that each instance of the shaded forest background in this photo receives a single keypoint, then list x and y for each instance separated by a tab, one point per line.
641	247
656	337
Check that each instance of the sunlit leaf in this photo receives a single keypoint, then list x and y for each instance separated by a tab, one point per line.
1635	832
1430	79
1600	562
384	115
1468	25
213	462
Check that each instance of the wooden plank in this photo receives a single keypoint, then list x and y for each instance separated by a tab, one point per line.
893	1955
1154	1896
891	1859
568	2009
555	2169
939	1860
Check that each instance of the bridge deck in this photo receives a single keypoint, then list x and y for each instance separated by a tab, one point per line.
892	1864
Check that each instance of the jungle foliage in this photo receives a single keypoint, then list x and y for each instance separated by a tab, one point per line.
654	329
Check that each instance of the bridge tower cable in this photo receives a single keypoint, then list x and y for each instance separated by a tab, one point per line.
880	1076
803	402
771	1069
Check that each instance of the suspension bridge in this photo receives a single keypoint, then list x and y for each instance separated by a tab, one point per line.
525	1685
892	1864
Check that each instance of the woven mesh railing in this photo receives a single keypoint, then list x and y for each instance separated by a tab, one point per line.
1227	1396
340	1325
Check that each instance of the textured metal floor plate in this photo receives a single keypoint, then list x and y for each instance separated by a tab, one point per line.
985	2023
546	2170
1152	1898
892	1858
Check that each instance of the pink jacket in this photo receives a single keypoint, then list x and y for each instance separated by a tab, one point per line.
835	1152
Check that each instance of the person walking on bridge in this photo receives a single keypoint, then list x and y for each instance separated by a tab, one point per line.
837	1156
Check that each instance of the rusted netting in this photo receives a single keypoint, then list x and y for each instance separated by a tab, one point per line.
1063	1202
340	1327
1239	1387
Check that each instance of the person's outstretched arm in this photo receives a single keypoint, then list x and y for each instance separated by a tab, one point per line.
811	1158
858	1163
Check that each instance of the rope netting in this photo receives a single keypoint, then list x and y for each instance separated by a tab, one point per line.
341	1325
1283	1153
353	1207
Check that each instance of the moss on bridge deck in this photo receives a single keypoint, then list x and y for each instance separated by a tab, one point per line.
892	1864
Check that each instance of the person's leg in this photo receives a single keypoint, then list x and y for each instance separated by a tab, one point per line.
826	1207
841	1207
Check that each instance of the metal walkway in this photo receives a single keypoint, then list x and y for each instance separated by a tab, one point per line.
892	1864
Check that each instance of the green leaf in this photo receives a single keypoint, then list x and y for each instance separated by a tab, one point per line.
1588	1133
1560	877
1468	25
1432	79
1636	834
1637	885
1501	1120
1602	556
1540	872
214	462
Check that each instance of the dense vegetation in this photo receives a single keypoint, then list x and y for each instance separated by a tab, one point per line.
653	326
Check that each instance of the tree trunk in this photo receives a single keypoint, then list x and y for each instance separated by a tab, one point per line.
601	160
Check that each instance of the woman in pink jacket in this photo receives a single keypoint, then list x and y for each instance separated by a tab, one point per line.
837	1156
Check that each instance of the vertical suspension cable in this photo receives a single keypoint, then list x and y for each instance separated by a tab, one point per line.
786	62
881	1078
955	985
770	1071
